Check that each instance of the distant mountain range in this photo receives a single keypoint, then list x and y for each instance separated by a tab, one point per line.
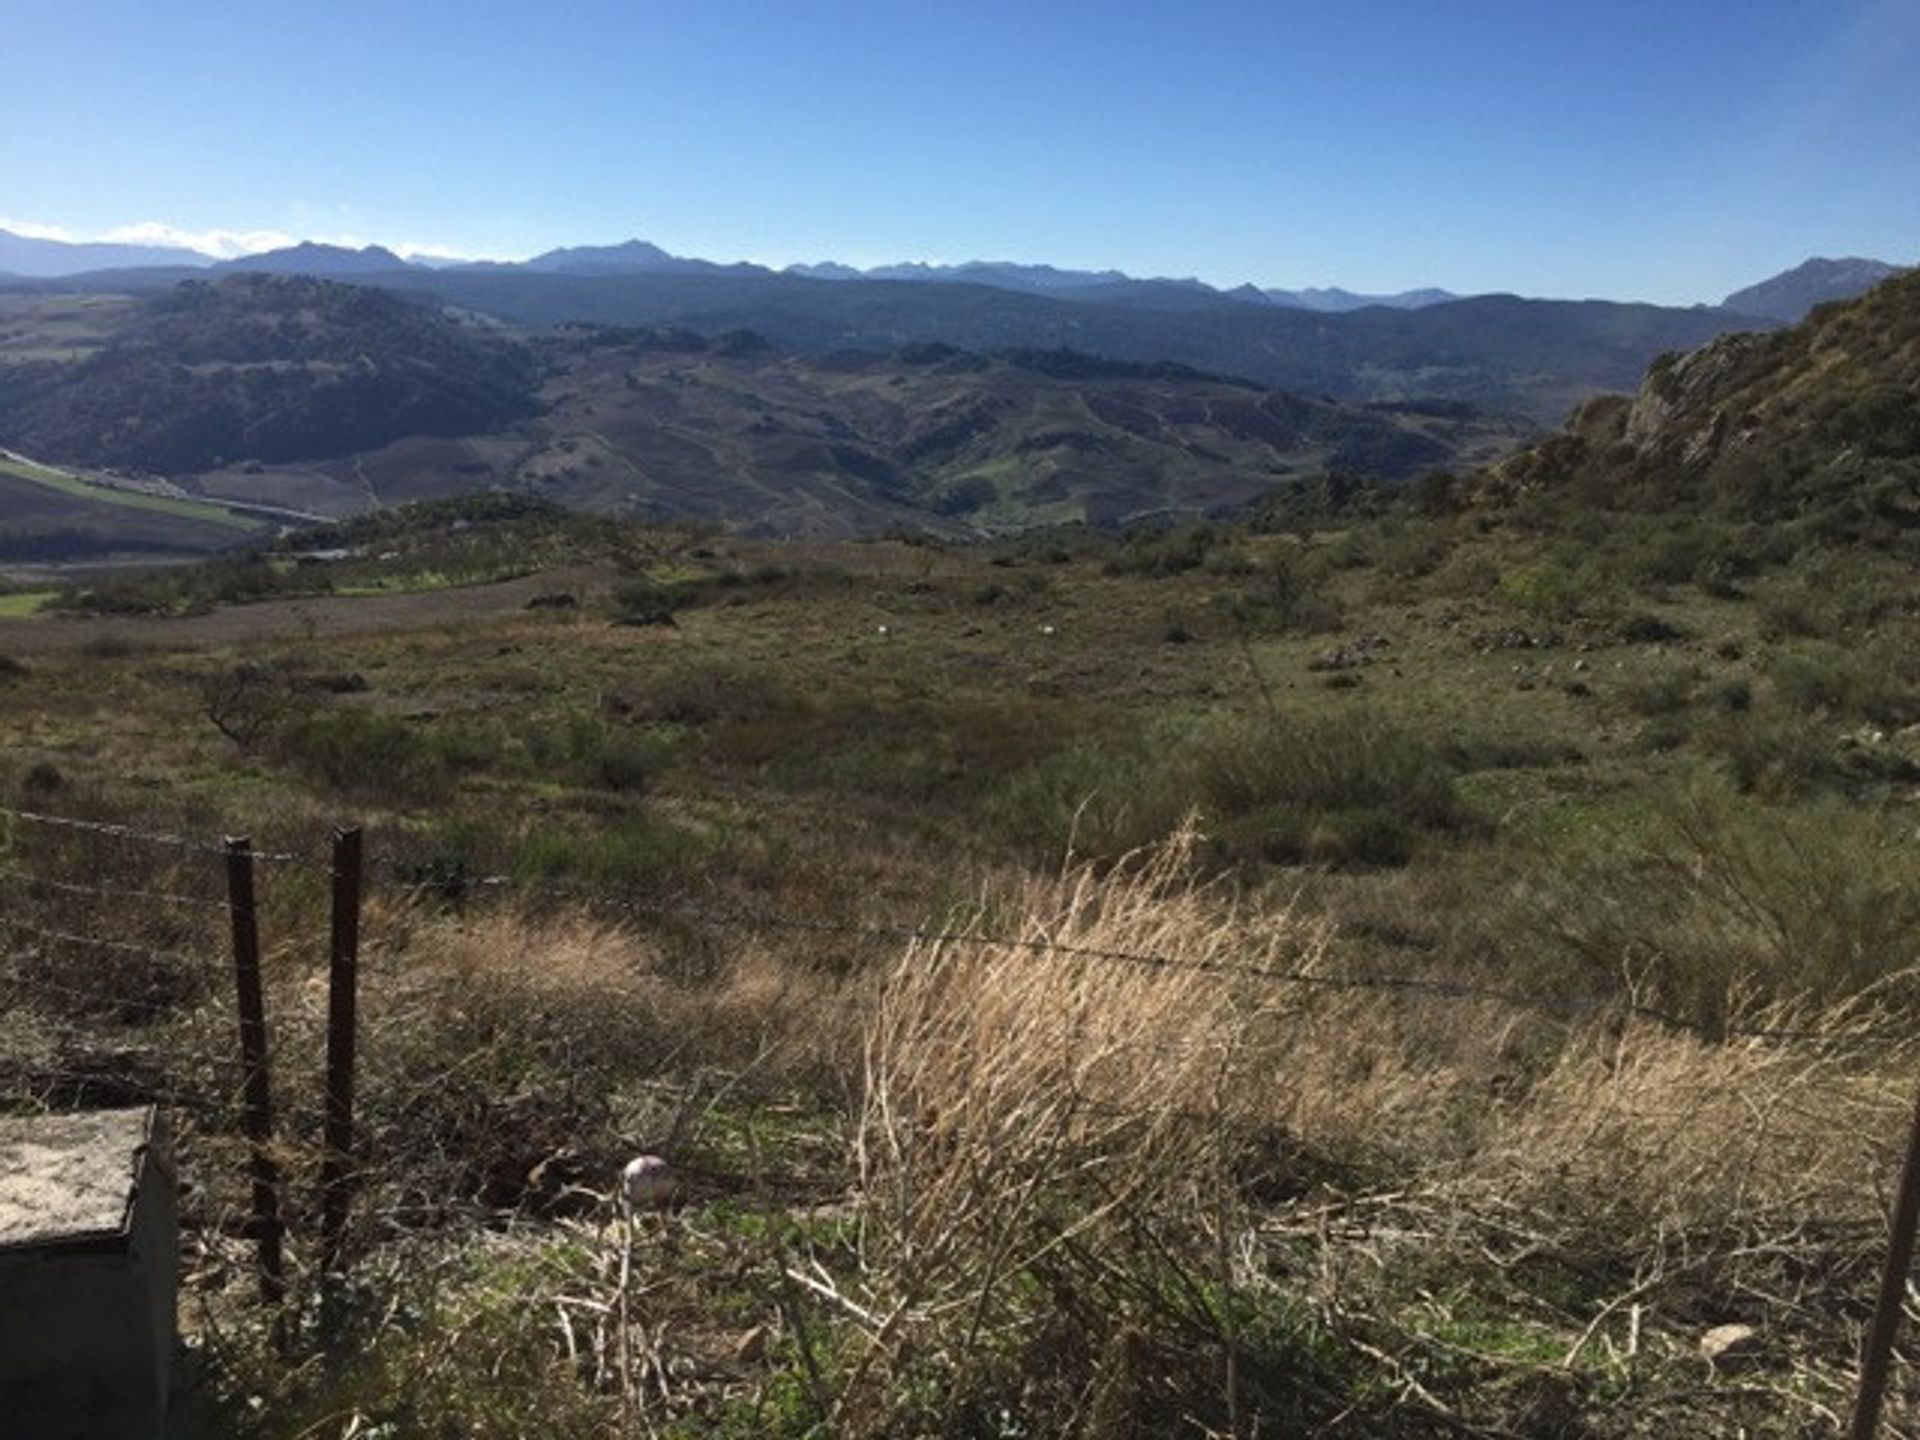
1785	297
1502	354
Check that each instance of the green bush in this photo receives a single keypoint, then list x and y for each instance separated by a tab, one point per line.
1878	683
1279	791
1092	798
634	853
1722	895
585	750
1543	588
1775	757
363	753
1665	691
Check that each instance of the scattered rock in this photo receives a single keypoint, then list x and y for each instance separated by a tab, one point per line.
1514	638
1350	656
352	683
1724	1344
553	600
1649	630
751	1347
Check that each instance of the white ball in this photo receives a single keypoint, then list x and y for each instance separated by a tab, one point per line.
647	1180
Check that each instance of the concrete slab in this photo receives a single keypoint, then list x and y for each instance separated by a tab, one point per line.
89	1266
70	1179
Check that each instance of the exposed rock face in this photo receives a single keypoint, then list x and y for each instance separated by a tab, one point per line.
1676	407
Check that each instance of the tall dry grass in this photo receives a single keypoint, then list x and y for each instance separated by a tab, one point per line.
1062	1155
1212	1188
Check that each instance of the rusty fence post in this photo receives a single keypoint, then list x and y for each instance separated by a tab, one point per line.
256	1092
336	1165
1876	1354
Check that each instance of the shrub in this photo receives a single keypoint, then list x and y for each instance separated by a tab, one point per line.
1544	589
1274	791
633	853
1664	691
1714	901
363	753
1325	790
1879	683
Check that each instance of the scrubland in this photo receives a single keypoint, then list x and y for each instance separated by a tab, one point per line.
1401	973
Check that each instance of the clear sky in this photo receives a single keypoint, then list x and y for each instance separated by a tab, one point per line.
1651	149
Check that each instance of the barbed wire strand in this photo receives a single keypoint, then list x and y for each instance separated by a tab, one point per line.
71	887
155	837
1452	990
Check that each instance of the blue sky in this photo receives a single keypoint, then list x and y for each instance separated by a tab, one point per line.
1667	151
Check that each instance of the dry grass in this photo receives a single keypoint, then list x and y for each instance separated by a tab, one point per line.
1051	1140
1013	1173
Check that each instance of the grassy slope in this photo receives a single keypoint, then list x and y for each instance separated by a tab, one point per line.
775	749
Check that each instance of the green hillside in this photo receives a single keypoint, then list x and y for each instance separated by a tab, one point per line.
254	367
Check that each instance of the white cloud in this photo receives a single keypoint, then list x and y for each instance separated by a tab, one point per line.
223	244
407	249
34	230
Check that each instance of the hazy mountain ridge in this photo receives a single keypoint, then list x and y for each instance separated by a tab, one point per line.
36	258
1786	296
327	262
1538	358
1335	300
1791	294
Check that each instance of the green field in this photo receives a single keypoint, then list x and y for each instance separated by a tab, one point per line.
80	489
23	603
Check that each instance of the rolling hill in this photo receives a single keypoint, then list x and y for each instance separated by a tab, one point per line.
322	398
268	368
1538	358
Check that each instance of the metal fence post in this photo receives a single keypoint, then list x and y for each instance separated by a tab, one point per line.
336	1166
1876	1354
263	1168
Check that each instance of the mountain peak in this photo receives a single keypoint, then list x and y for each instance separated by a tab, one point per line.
629	257
1792	293
313	258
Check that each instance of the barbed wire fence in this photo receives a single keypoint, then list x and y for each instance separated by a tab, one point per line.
75	960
